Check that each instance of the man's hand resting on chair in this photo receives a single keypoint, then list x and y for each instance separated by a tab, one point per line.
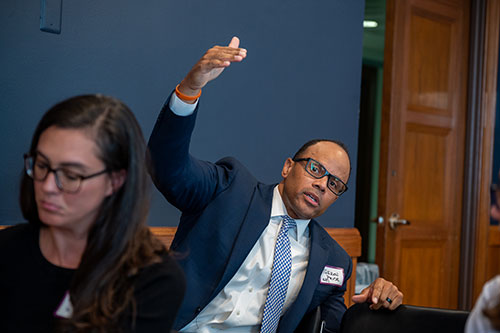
380	293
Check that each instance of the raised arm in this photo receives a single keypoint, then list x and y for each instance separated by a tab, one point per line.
186	182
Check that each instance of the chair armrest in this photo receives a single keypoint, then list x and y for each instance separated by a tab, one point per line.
406	318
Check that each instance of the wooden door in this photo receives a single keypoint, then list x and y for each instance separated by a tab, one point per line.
422	148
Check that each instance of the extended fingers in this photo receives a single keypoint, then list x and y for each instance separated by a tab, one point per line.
377	288
235	42
222	56
219	57
210	66
225	53
368	292
206	65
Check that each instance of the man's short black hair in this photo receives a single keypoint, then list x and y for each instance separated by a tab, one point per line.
312	142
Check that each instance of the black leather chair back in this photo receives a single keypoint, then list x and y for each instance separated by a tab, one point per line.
311	323
406	318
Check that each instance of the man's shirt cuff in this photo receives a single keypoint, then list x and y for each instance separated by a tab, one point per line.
181	108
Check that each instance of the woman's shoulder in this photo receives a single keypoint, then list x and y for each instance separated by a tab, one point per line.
17	242
167	272
17	234
160	287
158	291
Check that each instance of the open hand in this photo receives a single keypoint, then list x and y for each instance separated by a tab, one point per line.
211	65
380	293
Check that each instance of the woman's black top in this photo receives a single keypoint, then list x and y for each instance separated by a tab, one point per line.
32	289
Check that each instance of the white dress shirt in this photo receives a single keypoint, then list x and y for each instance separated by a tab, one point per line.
477	322
239	306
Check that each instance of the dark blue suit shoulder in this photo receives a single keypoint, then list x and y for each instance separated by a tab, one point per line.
232	164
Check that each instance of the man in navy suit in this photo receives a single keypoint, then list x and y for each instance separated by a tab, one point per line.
230	222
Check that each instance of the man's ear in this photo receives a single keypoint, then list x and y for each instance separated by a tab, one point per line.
287	167
117	180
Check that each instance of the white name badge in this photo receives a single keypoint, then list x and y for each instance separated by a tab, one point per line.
332	275
65	309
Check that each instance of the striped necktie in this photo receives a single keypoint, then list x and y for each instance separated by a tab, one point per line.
280	275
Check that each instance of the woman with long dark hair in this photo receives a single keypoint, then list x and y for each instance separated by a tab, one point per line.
86	261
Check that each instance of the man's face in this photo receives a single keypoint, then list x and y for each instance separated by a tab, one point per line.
304	196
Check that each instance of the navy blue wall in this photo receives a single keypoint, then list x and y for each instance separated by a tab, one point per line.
301	78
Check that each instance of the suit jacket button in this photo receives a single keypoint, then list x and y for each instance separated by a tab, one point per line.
198	310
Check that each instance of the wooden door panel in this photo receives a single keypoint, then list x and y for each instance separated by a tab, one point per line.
431	119
425	161
424	284
493	249
422	148
429	63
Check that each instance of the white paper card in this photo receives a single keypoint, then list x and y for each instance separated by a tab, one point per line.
332	275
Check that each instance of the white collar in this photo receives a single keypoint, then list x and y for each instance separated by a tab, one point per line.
278	209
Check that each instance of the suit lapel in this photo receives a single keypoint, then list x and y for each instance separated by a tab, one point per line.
254	223
318	256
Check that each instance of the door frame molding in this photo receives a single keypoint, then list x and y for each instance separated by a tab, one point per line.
473	147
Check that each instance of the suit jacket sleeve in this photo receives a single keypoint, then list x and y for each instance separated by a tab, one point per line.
333	307
186	182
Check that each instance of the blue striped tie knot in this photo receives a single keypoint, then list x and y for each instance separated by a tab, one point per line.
280	276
